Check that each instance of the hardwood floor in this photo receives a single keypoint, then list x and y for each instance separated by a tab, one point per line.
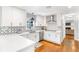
68	45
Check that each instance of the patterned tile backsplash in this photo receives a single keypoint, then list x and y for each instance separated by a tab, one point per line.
13	29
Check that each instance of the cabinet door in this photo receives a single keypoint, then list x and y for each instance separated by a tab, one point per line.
46	35
58	38
50	36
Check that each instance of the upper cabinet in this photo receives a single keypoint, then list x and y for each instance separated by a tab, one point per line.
40	20
51	22
12	16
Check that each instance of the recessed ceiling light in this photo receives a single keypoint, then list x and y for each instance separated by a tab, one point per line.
48	6
69	6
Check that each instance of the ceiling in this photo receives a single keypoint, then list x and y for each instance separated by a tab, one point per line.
49	10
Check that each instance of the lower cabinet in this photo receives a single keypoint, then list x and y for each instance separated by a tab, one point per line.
52	36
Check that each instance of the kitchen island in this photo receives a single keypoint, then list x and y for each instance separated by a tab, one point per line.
53	36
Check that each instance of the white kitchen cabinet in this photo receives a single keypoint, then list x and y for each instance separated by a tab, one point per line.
40	21
52	36
11	16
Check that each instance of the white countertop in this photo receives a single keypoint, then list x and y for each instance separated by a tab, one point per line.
13	43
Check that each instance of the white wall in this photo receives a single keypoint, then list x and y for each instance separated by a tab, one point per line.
77	27
59	18
63	27
0	15
13	15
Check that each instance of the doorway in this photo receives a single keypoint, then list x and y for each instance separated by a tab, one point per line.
69	29
69	26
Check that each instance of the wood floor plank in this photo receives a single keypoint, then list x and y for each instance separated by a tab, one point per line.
68	45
